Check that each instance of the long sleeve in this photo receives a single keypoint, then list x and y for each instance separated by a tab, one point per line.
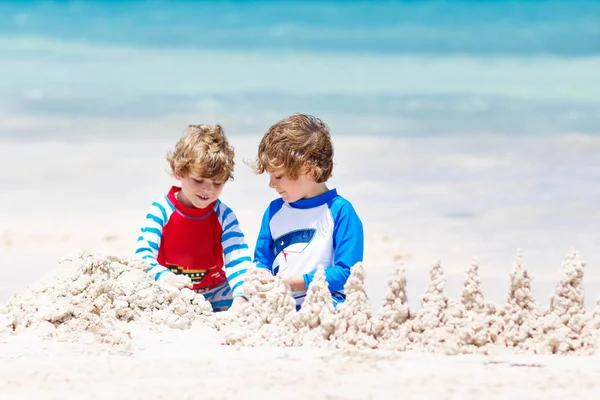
148	243
263	251
348	245
235	249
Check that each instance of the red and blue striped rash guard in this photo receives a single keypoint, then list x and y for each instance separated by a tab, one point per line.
205	244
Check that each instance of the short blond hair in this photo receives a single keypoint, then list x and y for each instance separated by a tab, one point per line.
203	151
294	142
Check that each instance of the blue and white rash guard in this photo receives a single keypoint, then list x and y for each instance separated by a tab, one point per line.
296	237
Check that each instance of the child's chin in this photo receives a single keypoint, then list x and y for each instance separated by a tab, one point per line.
288	199
202	203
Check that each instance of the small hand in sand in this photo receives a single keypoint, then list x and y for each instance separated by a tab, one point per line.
264	276
296	283
179	281
237	304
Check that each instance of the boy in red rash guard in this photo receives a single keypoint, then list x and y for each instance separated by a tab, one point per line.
190	238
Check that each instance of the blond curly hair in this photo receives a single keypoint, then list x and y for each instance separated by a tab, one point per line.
296	142
203	152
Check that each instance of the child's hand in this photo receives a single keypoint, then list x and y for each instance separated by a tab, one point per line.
237	303
296	283
179	281
264	276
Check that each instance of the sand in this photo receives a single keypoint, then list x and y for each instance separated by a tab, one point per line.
99	327
481	327
318	352
173	369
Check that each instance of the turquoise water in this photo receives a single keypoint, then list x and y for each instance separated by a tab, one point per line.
384	68
415	27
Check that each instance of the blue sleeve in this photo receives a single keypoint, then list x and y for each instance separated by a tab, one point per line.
263	252
348	245
148	242
235	250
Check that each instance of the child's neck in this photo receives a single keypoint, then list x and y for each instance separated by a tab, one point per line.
316	189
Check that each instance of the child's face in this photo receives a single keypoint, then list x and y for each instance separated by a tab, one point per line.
197	192
291	189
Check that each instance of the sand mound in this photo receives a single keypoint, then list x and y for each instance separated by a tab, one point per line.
315	322
97	299
567	327
101	299
390	325
266	319
441	325
353	323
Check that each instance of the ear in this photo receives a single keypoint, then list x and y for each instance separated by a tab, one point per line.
305	168
308	170
178	176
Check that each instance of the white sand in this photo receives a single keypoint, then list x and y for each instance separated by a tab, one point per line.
53	345
171	369
98	210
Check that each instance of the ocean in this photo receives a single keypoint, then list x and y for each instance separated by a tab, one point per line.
388	68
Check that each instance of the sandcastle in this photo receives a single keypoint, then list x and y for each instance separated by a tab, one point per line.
469	325
100	299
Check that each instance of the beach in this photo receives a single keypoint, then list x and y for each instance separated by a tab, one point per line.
95	196
467	143
170	370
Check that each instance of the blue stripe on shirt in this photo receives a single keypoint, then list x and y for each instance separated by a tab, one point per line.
234	247
162	210
155	219
230	235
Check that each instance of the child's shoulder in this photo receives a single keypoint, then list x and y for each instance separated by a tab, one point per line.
273	208
339	201
159	211
162	203
340	206
223	211
275	205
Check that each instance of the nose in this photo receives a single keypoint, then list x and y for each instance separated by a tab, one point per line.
271	182
206	186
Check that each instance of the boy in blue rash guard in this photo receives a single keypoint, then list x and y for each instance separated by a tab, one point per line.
309	224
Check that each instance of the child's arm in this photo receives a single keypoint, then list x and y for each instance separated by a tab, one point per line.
235	249
148	242
348	245
263	252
